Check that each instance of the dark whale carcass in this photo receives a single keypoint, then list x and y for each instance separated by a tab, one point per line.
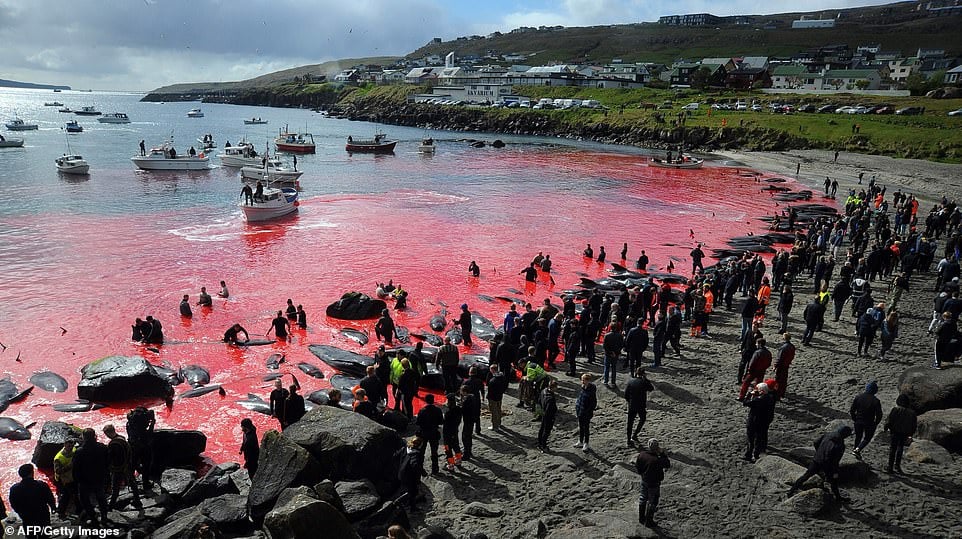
311	370
355	335
49	381
11	429
342	360
195	375
198	391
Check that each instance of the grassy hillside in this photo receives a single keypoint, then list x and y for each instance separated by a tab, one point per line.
895	26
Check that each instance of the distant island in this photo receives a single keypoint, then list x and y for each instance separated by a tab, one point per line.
17	84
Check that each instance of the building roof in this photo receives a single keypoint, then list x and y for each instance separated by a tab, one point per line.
789	71
719	61
956	69
850	73
755	61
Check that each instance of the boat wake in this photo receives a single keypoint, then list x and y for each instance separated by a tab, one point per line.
216	231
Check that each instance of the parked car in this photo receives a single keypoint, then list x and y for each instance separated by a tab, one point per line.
826	108
860	110
807	108
741	106
885	110
910	111
690	106
666	105
956	112
721	106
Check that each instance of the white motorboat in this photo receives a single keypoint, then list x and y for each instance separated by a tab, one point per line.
685	162
166	158
73	127
275	202
17	124
273	171
255	121
10	142
195	113
64	109
427	146
87	111
114	118
72	164
242	155
207	143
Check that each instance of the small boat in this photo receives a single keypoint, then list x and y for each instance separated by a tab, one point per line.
166	158
427	146
114	118
53	104
10	142
65	109
274	203
379	144
281	176
255	121
207	142
87	111
242	155
294	142
73	127
72	164
195	113
56	90
685	162
17	124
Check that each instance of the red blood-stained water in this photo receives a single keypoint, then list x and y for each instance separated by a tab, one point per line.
93	274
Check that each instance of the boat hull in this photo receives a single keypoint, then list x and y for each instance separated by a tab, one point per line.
25	127
113	120
687	164
177	163
387	147
254	122
12	143
295	148
74	169
284	204
257	173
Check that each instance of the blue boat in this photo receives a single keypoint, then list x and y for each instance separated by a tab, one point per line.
74	127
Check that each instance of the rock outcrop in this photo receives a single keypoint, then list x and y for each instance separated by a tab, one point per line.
282	464
303	516
943	427
120	378
52	436
930	389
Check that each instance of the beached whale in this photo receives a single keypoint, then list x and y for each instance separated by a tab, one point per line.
10	394
454	334
274	361
438	322
49	381
355	335
346	384
403	334
255	404
355	306
77	406
272	376
311	370
11	429
486	298
198	391
430	338
482	327
255	342
342	360
171	375
195	375
321	398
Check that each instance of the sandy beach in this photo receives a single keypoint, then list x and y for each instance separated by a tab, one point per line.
710	490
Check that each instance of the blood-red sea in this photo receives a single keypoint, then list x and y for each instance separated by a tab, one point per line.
417	221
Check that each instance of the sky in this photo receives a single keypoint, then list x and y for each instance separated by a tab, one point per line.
139	45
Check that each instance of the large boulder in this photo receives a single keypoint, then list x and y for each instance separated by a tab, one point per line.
943	427
388	515
326	491
347	445
782	473
185	524
282	464
360	498
356	306
228	511
809	502
304	517
927	452
175	481
215	482
931	389
121	378
52	436
178	447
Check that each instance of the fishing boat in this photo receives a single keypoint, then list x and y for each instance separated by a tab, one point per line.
114	118
379	144
73	127
11	142
427	146
275	202
278	175
166	158
65	109
53	104
87	111
195	113
72	164
254	121
685	162
242	154
207	142
294	142
17	124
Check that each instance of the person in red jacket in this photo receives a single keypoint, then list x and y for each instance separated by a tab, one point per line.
760	362
783	360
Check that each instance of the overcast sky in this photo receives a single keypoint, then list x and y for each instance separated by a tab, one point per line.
144	44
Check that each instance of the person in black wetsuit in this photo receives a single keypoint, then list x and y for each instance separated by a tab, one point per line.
385	328
278	401
291	310
185	307
249	447
294	406
589	252
465	322
642	263
474	269
530	273
301	317
624	251
601	254
280	326
230	336
546	264
259	192
155	332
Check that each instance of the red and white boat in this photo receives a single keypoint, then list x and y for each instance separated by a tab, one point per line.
379	144
294	142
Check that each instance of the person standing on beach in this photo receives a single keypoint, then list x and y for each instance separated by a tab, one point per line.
812	315
829	449
696	257
429	421
636	396
585	409
757	367
549	411
470	419
573	346
497	385
866	412
90	472
827	184
902	422
834	188
836	159
120	459
32	501
784	307
613	343
249	447
449	432
447	358
783	360
761	412
651	464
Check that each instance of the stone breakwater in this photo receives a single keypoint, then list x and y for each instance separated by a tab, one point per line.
566	125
